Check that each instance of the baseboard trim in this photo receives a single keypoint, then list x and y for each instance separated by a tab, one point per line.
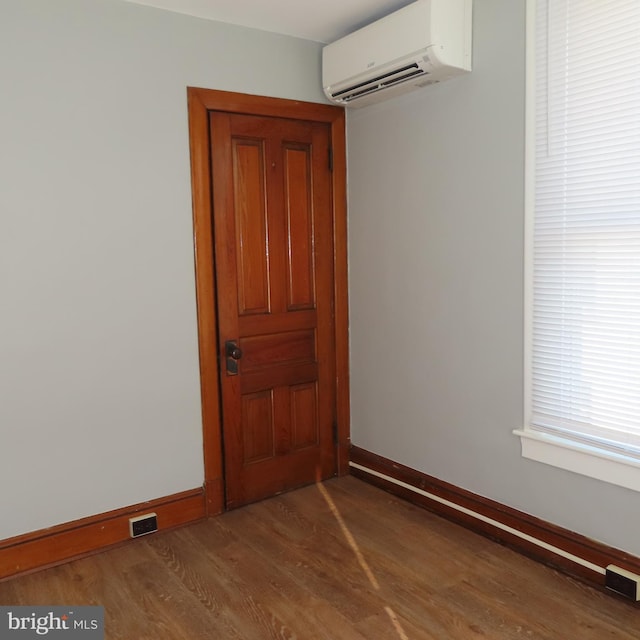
72	540
560	548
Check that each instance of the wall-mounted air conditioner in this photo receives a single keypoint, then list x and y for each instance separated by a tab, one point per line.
427	41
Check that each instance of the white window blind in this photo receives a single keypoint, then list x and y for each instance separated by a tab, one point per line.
585	366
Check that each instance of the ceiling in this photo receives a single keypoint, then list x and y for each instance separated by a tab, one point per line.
319	20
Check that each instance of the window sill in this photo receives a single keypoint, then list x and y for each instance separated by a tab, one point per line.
586	460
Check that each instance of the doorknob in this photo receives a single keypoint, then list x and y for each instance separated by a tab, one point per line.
233	350
233	353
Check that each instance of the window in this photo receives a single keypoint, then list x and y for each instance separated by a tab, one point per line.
583	201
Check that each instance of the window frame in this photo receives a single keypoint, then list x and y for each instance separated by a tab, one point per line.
551	449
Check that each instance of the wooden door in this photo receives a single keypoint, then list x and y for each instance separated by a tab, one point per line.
273	239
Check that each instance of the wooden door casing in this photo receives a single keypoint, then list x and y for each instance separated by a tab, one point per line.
201	103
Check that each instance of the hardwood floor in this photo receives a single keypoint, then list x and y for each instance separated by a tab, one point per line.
341	560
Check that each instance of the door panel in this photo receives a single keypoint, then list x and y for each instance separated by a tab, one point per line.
284	347
257	425
251	226
274	273
304	415
301	294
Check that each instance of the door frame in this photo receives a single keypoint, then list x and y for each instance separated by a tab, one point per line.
201	102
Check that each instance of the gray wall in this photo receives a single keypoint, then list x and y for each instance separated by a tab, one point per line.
99	380
99	386
436	211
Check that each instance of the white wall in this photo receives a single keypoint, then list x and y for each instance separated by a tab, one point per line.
99	380
436	211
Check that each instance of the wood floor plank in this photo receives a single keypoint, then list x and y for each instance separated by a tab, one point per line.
309	568
337	561
251	596
293	602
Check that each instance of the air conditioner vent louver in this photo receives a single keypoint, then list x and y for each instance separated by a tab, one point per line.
405	76
374	83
